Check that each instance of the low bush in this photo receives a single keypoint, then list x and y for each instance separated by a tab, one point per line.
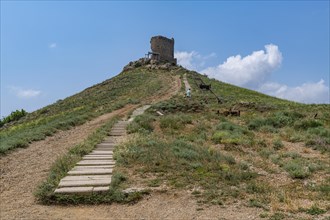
307	123
231	134
183	164
175	122
276	120
315	210
142	123
277	144
297	169
14	116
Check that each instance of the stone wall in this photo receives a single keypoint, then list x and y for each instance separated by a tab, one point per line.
164	47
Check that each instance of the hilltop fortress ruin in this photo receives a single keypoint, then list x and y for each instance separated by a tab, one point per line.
162	49
160	57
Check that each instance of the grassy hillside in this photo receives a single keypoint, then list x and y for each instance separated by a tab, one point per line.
274	157
130	87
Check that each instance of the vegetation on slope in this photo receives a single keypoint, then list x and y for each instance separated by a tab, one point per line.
130	87
14	116
275	156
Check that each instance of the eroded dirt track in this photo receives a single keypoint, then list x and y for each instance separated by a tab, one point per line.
24	169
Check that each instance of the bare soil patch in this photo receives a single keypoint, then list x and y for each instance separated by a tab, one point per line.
24	169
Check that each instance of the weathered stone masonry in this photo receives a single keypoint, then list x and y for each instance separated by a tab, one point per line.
162	49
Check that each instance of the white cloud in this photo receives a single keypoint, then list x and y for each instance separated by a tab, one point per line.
306	93
52	45
253	72
192	60
249	71
24	93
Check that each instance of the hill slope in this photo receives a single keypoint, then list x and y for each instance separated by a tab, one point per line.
273	159
131	87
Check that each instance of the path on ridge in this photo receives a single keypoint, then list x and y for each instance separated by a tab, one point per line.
186	83
94	172
22	170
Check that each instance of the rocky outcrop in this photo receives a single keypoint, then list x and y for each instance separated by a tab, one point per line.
149	63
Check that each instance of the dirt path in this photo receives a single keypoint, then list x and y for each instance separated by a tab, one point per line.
24	169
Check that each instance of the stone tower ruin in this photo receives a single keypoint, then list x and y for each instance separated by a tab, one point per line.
162	49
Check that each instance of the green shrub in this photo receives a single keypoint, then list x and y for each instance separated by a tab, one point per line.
292	155
266	152
314	210
277	216
256	123
14	116
231	134
296	169
255	203
262	143
307	123
277	144
184	150
319	131
315	167
219	136
296	138
276	120
175	122
257	188
183	164
142	123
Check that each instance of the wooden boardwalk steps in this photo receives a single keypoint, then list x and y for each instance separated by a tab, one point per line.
93	173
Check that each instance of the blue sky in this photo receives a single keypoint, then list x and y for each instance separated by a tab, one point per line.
51	50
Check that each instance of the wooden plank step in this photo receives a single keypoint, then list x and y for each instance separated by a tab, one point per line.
86	177
106	145
97	158
116	134
121	127
75	190
109	140
82	190
109	169
96	162
101	154
109	152
100	189
93	167
103	149
100	182
90	172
